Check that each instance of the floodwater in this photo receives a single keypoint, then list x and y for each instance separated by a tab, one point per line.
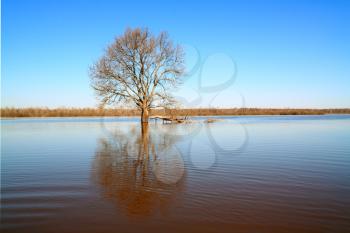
238	174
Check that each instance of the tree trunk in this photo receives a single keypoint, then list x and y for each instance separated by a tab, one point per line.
145	141
144	115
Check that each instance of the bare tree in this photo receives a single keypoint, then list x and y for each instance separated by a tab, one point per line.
138	68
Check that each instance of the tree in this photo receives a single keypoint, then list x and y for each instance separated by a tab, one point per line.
138	68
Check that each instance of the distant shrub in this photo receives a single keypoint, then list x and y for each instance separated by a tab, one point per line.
89	112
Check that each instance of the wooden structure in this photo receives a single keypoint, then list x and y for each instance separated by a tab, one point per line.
169	119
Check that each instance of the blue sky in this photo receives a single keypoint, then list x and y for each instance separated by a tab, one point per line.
278	53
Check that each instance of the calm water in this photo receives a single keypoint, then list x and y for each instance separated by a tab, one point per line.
239	174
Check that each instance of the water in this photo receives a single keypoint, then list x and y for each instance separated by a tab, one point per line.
239	174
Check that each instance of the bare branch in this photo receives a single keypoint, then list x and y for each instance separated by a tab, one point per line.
139	68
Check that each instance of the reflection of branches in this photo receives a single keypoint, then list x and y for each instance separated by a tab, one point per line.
124	167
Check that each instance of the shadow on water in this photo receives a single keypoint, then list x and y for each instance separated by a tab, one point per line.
139	169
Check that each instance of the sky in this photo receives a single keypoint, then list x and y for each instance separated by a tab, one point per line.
248	53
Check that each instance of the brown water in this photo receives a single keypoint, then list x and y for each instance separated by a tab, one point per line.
240	174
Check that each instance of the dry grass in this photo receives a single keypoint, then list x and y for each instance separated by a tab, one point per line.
88	112
210	120
65	112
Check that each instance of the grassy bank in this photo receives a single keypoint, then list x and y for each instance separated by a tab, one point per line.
87	112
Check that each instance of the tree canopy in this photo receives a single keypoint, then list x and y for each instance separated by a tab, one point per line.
138	68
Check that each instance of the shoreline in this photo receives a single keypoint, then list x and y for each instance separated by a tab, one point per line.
257	115
173	113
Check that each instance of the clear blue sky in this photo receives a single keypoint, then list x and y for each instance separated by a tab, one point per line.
287	53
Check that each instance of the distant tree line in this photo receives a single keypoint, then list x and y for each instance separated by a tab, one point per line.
98	112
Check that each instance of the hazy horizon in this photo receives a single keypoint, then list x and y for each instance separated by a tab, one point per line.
278	54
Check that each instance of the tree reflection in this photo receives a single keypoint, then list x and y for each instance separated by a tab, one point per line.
140	170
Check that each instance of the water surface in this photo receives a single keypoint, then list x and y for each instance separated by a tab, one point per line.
239	174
